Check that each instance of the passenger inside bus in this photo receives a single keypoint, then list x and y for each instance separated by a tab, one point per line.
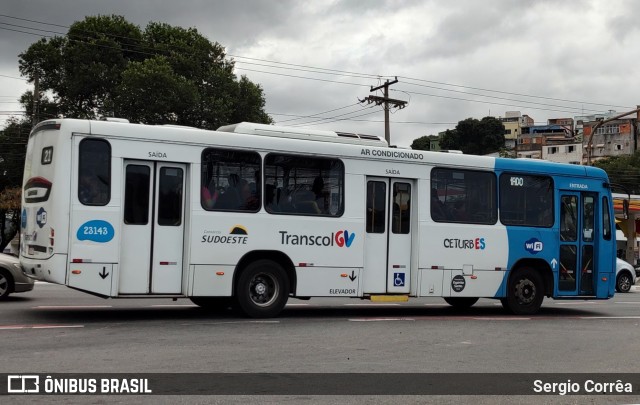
318	190
459	211
209	194
89	191
438	211
305	202
230	199
248	199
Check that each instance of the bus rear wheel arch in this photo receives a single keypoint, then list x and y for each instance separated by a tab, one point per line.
262	289
525	292
212	304
461	302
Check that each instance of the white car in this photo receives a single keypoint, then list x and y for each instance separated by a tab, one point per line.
625	276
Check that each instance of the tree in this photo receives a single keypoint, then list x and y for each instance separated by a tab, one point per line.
422	143
475	137
623	170
13	142
427	142
9	215
107	66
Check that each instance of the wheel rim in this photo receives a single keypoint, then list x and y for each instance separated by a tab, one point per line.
4	285
526	291
263	289
624	283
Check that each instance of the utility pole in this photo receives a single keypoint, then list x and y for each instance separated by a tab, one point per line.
399	104
36	99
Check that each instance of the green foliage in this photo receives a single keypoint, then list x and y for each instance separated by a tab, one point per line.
475	137
506	153
13	147
9	209
422	143
107	66
13	143
623	170
154	79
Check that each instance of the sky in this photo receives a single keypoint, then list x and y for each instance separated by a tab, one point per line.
453	59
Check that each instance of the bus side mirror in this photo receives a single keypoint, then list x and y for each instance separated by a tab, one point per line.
625	209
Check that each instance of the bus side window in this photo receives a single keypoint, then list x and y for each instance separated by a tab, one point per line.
305	185
94	172
230	180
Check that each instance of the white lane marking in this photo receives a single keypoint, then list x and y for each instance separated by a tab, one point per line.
436	305
14	327
71	306
578	303
173	305
380	319
297	305
627	302
371	305
610	317
501	319
228	323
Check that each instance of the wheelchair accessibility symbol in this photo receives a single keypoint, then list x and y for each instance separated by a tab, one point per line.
398	279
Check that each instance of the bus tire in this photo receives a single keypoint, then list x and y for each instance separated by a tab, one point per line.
461	302
525	292
262	289
212	304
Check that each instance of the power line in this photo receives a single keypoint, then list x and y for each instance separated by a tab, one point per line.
315	70
503	98
310	70
13	77
335	120
330	119
342	72
511	93
372	121
314	115
487	102
318	70
304	77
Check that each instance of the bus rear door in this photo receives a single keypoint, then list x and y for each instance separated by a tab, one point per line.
151	260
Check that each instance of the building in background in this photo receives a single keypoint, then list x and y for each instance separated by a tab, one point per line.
615	138
513	122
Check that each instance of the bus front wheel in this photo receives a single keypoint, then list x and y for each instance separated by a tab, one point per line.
262	289
461	302
525	292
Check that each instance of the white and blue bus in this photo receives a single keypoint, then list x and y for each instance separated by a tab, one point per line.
256	214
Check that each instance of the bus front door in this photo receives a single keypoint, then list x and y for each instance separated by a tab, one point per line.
387	262
152	228
577	270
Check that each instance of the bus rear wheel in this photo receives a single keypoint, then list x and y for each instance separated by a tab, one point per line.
525	292
262	289
461	302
